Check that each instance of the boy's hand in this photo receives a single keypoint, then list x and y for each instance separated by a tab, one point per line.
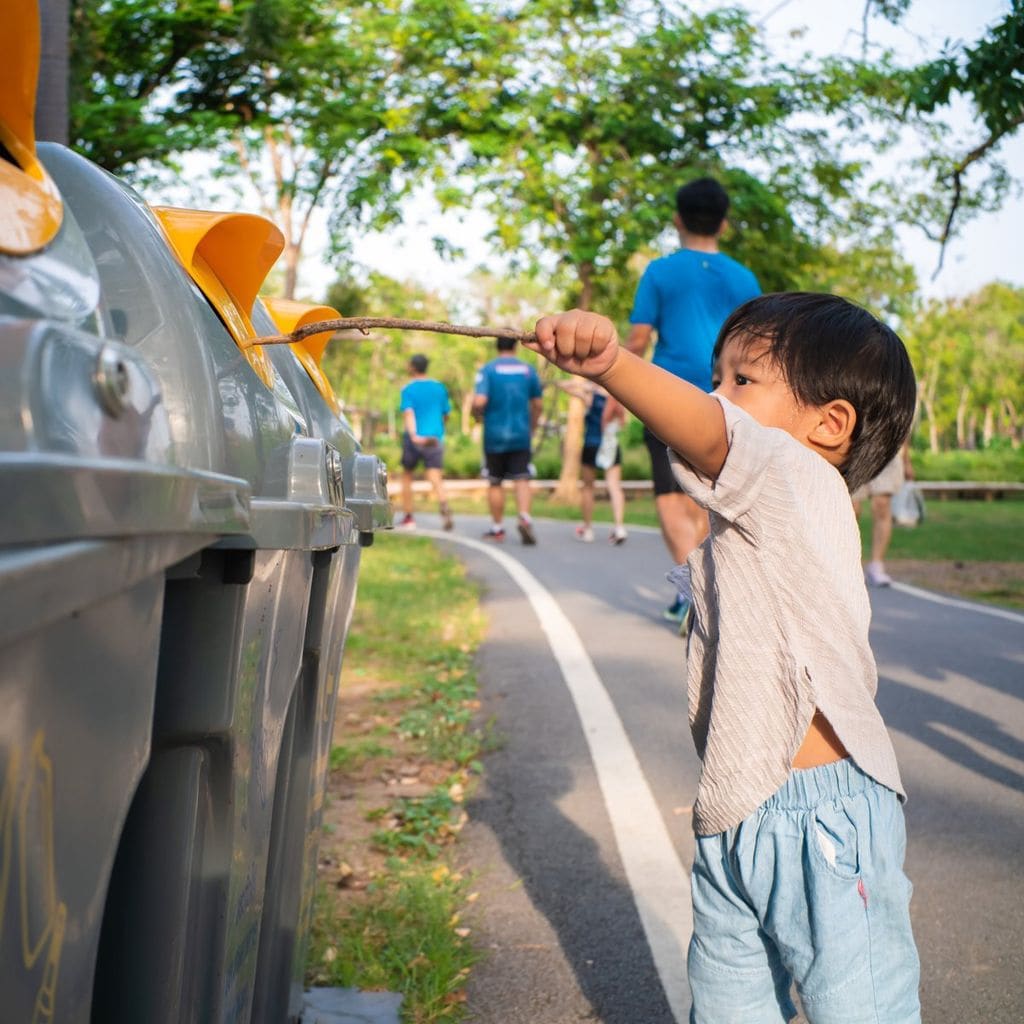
578	341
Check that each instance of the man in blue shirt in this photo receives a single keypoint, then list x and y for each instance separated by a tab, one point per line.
507	396
685	298
425	408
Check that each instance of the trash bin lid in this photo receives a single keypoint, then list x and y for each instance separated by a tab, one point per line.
228	255
31	210
289	315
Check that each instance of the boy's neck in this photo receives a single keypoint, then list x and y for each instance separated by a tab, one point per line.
699	243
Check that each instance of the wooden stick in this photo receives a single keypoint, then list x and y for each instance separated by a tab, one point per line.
365	323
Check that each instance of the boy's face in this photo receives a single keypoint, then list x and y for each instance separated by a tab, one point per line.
745	376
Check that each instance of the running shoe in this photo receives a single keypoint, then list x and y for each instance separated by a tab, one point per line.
877	576
585	534
526	533
447	523
618	535
407	523
495	533
677	611
686	623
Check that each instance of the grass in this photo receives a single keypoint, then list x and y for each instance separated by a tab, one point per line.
962	531
347	756
956	530
416	627
403	937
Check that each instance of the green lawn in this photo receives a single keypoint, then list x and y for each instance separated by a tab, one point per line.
964	531
991	531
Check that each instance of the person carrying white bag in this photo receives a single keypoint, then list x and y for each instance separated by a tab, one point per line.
881	491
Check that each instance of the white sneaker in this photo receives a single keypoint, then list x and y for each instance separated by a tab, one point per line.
618	535
876	575
585	534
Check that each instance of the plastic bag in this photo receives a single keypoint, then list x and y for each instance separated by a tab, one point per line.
908	505
605	457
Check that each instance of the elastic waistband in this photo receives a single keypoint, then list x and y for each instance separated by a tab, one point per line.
807	787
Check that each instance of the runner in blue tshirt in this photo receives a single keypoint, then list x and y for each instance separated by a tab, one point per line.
685	298
425	408
507	397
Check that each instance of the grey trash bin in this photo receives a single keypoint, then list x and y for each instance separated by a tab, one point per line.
95	509
204	914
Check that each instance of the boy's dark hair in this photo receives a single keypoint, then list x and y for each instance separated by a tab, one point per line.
506	344
827	348
702	205
419	363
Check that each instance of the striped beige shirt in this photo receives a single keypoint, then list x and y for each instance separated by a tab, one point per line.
781	622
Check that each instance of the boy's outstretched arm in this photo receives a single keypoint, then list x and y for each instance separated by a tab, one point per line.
684	417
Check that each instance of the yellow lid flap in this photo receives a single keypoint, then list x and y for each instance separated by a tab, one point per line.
289	315
239	248
31	210
19	72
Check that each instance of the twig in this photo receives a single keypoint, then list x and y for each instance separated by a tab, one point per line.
363	324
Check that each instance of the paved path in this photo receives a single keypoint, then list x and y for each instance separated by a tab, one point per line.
580	834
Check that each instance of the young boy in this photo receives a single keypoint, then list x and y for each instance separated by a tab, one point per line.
800	837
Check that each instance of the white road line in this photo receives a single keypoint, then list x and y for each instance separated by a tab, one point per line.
657	878
952	602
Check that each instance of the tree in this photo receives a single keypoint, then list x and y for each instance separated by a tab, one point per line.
134	67
989	74
969	357
310	103
600	114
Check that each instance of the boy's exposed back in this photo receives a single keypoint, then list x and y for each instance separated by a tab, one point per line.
800	835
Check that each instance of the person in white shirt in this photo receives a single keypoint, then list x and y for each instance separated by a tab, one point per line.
879	492
798	872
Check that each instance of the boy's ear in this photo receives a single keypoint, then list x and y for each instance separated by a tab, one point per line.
834	427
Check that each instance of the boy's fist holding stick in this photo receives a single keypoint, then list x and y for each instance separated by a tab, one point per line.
578	342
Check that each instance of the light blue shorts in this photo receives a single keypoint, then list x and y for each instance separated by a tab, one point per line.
809	889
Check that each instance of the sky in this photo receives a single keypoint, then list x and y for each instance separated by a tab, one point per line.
981	254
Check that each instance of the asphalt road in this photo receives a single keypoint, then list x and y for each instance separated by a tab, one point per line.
580	837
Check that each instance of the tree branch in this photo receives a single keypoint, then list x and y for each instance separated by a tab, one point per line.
958	174
364	323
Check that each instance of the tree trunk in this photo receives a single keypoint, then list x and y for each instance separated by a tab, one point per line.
292	254
52	93
1013	431
926	396
961	420
988	428
567	491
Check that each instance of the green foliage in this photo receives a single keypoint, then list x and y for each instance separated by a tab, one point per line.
997	464
133	64
583	157
969	358
989	74
420	825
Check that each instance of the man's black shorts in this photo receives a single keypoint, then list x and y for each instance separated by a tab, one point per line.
431	455
508	465
661	470
589	456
